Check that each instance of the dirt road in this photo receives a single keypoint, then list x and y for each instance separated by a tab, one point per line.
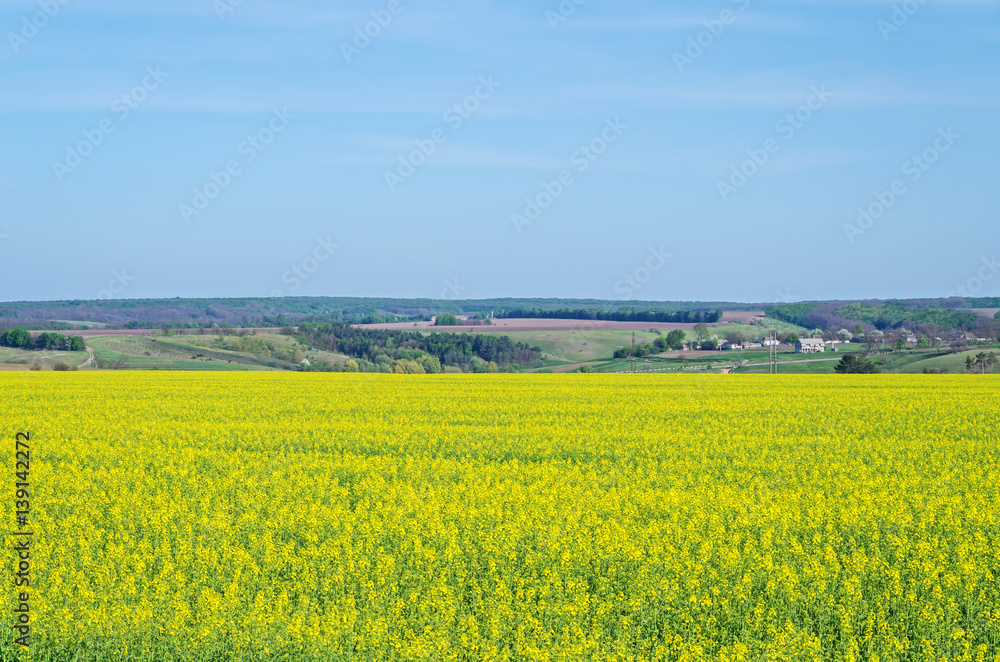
88	361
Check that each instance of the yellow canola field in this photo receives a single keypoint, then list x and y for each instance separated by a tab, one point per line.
257	516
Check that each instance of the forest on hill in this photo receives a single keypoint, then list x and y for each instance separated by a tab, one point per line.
277	312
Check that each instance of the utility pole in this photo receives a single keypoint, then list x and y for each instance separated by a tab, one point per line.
770	355
775	352
772	339
633	351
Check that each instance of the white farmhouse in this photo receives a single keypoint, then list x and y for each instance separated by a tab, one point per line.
810	346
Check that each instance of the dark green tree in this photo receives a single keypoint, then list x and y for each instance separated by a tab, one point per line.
675	339
17	338
852	364
49	341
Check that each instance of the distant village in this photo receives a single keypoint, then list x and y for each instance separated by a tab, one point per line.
820	342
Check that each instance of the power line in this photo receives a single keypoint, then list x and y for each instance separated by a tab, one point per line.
633	351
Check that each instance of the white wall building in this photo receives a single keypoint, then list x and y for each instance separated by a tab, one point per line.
810	346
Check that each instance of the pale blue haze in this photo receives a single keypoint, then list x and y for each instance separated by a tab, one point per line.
447	229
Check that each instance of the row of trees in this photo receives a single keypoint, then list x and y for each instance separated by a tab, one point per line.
705	341
260	346
424	364
621	315
450	349
479	319
674	340
982	362
19	338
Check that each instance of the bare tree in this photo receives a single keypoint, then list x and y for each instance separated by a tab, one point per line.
120	363
874	341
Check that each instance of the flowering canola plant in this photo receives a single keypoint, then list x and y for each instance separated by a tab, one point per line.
307	517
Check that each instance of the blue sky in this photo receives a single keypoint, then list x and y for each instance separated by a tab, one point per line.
595	152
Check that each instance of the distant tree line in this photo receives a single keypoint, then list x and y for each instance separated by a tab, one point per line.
34	324
19	338
378	349
833	316
793	313
253	312
621	315
893	315
250	312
